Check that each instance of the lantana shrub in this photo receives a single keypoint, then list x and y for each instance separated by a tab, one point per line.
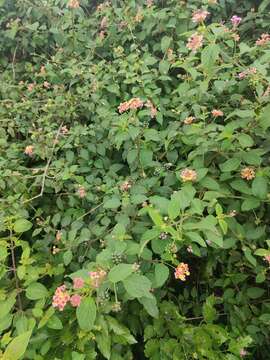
134	179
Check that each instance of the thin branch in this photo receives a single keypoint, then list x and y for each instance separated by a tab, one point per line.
14	269
46	167
89	212
13	62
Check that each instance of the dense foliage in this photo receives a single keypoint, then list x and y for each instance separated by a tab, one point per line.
134	179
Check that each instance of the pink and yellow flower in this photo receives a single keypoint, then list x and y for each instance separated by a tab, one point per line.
248	173
188	175
78	283
60	298
195	42
182	271
200	15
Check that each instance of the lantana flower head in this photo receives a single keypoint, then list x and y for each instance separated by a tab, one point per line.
235	20
29	150
248	173
195	42
182	271
81	192
97	277
267	258
153	110
200	15
60	298
73	4
263	40
132	104
251	71
75	300
189	120
78	283
188	175
217	113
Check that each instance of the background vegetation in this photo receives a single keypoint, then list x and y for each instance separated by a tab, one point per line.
134	156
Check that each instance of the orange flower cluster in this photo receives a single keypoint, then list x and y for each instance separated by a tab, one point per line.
137	103
29	150
73	4
182	271
132	104
263	40
188	175
199	16
189	120
248	173
217	113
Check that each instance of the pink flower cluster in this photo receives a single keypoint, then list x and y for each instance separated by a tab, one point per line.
263	40
235	20
251	71
267	258
199	16
60	298
97	277
217	113
137	103
78	283
195	42
132	104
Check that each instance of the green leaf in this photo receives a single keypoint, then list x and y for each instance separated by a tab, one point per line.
137	286
245	140
22	225
165	43
104	345
259	187
209	312
230	165
250	203
49	312
148	236
184	196
36	291
112	203
146	157
155	216
164	67
67	257
264	118
174	208
120	272
86	314
161	274
55	323
17	347
121	330
195	237
249	257
150	305
262	252
209	56
254	292
6	305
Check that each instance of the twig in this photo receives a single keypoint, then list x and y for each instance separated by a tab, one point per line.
46	167
14	269
89	212
13	62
